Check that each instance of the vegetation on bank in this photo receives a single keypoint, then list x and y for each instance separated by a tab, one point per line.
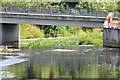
81	38
30	31
6	49
78	35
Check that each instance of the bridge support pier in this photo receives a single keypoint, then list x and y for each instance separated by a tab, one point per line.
111	37
0	34
9	35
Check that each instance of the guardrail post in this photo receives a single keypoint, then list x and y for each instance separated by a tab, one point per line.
50	11
96	14
74	12
37	10
118	18
28	9
70	10
11	9
92	12
114	13
6	9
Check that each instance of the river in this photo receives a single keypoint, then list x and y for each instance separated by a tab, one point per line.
62	62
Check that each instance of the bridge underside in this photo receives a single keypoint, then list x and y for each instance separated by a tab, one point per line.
9	24
53	22
9	35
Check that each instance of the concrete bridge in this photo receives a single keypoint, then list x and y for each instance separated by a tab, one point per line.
10	19
58	20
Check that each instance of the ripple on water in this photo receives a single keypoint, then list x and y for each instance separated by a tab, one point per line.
11	58
9	62
63	50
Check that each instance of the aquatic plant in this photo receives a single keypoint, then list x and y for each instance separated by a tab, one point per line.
6	49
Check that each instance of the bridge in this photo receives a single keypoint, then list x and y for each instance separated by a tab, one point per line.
37	15
12	16
57	20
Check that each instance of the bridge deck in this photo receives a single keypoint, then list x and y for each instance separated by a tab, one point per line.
48	19
64	15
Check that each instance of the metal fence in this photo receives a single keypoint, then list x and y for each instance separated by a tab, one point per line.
58	10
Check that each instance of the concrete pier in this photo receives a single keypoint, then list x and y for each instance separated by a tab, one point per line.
111	37
111	32
0	34
9	35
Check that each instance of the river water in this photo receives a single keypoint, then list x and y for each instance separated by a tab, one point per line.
63	62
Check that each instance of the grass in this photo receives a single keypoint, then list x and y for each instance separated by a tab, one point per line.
30	31
24	45
79	38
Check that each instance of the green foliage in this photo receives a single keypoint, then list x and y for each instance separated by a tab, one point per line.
98	5
118	3
30	31
80	39
78	35
55	31
42	4
95	5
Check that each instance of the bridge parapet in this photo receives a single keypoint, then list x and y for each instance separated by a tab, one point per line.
56	10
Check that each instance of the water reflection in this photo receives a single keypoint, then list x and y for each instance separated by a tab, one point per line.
87	62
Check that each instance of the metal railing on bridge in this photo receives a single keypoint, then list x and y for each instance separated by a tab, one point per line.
58	10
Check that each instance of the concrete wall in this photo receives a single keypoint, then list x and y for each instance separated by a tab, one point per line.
0	34
57	20
111	37
10	35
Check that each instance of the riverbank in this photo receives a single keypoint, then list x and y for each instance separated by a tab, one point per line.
60	36
64	42
6	49
80	38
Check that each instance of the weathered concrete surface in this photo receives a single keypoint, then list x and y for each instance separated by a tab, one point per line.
10	35
111	37
57	20
0	34
52	17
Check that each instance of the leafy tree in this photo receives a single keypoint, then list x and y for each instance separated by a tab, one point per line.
118	3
